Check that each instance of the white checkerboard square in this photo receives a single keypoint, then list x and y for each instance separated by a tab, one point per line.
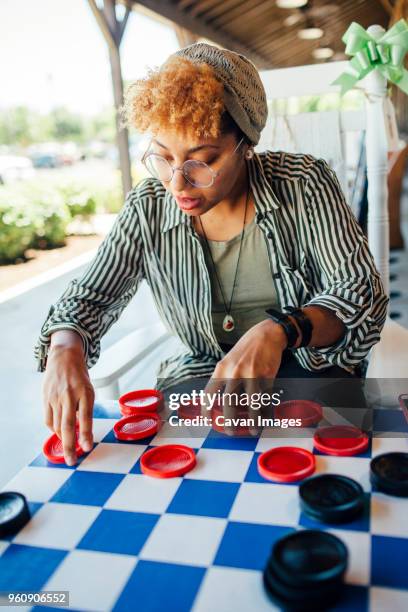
221	465
94	579
3	546
58	526
359	547
389	515
101	427
139	493
113	458
38	484
180	538
353	467
174	434
271	438
386	600
389	445
232	590
271	504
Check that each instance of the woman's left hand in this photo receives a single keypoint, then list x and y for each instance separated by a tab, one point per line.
256	355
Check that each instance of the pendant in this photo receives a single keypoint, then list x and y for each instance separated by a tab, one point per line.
228	323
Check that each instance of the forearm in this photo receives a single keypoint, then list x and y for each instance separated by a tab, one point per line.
327	327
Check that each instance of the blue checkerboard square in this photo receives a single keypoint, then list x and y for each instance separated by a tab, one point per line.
390	420
204	498
216	439
116	531
155	587
27	567
88	488
389	562
247	545
353	599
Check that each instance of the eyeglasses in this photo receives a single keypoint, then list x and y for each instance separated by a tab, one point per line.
198	173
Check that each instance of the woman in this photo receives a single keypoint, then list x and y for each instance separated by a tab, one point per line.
230	241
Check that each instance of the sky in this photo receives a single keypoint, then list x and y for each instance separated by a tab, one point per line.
53	53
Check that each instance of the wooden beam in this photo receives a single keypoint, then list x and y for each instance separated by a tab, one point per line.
184	37
113	30
102	23
386	4
200	28
400	11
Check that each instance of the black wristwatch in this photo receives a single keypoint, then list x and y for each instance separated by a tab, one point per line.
304	323
282	319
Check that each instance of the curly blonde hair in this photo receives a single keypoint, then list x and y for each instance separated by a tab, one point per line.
182	96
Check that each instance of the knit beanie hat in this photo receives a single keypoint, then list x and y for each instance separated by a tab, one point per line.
244	93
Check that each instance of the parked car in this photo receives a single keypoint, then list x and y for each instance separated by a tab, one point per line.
46	160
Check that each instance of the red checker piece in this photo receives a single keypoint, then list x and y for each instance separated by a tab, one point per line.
53	449
286	464
340	440
168	461
310	412
142	400
137	426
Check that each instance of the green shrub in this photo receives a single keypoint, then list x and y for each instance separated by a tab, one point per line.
49	215
16	228
79	201
30	217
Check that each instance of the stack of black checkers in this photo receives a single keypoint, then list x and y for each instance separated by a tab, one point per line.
331	498
14	513
305	571
389	473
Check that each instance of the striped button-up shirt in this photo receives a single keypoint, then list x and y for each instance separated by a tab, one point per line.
317	251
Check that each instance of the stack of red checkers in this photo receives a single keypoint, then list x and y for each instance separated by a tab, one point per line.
286	464
340	440
137	426
309	412
168	461
53	449
142	400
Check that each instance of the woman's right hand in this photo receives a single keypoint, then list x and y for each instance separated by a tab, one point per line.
67	389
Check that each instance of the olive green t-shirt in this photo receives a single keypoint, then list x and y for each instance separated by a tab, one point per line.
254	288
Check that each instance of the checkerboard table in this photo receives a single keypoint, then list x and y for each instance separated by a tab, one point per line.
119	540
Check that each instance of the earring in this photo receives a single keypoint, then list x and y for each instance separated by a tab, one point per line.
249	154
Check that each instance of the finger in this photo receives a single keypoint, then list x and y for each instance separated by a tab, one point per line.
231	404
68	430
85	411
213	387
253	388
56	420
49	416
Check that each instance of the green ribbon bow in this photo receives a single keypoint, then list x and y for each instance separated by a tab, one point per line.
385	54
